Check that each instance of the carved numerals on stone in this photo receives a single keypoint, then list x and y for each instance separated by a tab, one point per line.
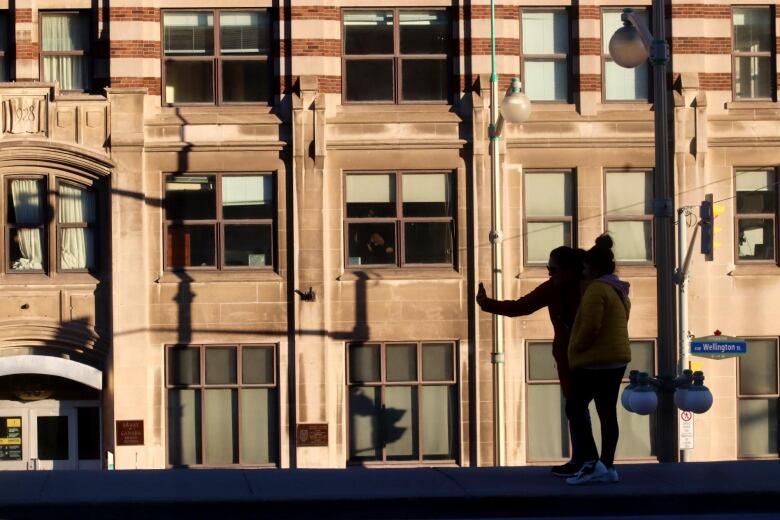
22	115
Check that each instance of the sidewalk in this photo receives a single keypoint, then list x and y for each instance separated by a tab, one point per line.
646	489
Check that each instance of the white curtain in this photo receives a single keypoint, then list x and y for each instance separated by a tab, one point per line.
26	198
77	206
65	32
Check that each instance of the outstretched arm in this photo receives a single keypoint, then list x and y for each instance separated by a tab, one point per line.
528	304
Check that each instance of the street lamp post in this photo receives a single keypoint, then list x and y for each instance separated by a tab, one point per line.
515	108
629	47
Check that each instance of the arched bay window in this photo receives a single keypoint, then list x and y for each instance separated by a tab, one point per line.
50	224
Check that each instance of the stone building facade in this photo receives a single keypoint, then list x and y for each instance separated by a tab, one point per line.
249	233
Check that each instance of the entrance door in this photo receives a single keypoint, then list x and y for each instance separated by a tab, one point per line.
52	435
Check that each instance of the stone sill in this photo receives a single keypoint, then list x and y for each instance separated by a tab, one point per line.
419	113
212	114
171	277
753	105
422	273
757	269
59	279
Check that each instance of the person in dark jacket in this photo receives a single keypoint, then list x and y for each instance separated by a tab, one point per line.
561	295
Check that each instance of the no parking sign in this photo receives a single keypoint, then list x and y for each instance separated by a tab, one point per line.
686	430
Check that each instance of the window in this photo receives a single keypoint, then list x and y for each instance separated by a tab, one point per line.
27	235
65	49
412	212
548	431
219	221
756	210
621	84
389	62
759	399
753	52
5	43
549	208
546	54
222	405
402	402
629	217
207	66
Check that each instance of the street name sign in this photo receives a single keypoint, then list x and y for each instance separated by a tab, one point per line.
718	346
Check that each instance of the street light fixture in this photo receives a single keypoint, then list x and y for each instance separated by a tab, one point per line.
515	108
690	394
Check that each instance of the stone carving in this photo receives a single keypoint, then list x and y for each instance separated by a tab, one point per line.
22	115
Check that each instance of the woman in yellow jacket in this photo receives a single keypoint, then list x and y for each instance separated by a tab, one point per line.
598	354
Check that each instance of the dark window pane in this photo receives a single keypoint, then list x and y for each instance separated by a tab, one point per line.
184	366
753	77
259	426
758	368
53	438
756	239
756	191
257	366
244	32
758	423
4	76
428	242
89	433
190	246
370	195
401	363
184	435
248	197
541	364
424	32
369	80
424	80
26	249
364	414
248	245
437	362
221	366
371	244
189	82
439	423
642	357
368	32
190	198
220	429
753	29
188	33
427	195
401	423
364	363
245	81
26	202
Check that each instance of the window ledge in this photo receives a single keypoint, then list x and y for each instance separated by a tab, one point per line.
767	269
422	273
49	279
760	104
218	276
636	271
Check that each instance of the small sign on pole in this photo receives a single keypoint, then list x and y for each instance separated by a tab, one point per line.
718	346
686	430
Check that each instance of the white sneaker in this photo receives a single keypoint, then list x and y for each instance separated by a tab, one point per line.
591	473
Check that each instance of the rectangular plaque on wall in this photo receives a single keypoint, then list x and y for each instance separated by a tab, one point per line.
10	438
312	435
129	433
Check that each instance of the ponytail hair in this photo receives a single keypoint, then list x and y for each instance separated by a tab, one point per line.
600	258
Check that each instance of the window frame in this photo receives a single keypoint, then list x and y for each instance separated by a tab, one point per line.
572	220
399	220
216	59
87	53
741	397
203	386
554	57
605	57
771	54
529	382
631	218
383	383
744	216
219	223
76	225
397	58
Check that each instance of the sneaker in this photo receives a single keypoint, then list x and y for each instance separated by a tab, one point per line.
612	475
590	473
566	470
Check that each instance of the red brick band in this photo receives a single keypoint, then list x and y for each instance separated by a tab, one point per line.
23	15
312	12
715	80
329	84
131	14
481	46
589	12
589	82
590	46
153	85
314	47
134	49
700	11
482	12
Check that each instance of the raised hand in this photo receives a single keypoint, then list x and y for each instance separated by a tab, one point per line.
481	295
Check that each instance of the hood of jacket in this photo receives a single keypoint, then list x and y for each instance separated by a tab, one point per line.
619	285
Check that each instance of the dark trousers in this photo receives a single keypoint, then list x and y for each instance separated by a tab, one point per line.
601	386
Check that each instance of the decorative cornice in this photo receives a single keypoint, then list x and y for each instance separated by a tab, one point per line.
74	339
600	142
54	155
178	146
397	144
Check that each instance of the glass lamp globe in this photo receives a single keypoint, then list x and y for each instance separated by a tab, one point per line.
680	396
643	401
516	107
626	47
625	398
698	399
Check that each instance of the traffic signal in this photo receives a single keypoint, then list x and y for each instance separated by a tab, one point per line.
707	220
